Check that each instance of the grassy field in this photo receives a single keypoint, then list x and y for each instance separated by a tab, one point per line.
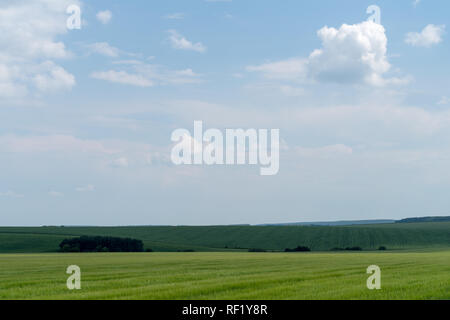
405	275
225	238
416	266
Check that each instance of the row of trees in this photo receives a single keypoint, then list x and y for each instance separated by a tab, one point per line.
101	244
307	249
298	249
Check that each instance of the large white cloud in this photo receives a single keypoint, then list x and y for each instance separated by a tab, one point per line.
29	46
351	54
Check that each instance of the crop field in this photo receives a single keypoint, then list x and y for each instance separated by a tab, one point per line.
229	238
227	275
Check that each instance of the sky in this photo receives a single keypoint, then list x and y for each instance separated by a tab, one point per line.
86	114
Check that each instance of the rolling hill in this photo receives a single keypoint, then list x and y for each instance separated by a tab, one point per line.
232	238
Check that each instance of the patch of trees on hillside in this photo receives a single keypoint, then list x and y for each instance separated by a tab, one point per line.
101	244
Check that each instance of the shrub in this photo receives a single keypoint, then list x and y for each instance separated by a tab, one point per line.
382	248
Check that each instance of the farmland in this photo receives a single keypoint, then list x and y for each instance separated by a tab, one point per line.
415	266
399	236
200	275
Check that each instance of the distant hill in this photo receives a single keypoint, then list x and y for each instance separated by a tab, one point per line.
334	223
424	219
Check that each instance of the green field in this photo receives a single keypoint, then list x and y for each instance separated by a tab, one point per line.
405	275
229	238
416	265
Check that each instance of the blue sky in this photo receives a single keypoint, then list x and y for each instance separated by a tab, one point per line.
86	115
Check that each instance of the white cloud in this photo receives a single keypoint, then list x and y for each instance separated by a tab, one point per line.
181	77
324	152
121	162
11	194
101	153
416	3
53	78
88	188
444	100
351	54
374	120
429	36
128	62
29	44
292	69
116	122
55	194
175	16
181	43
59	143
292	91
104	16
105	49
122	77
275	88
146	75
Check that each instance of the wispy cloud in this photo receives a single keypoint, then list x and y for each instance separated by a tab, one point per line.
180	42
55	194
140	74
11	194
104	48
88	188
175	16
444	100
123	77
104	16
52	143
121	162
